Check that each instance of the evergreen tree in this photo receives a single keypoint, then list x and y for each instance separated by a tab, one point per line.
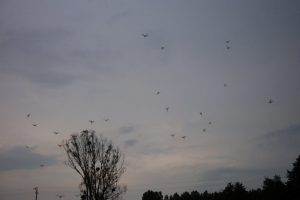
186	196
151	195
293	182
195	195
273	189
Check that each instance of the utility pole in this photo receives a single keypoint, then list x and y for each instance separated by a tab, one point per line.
36	192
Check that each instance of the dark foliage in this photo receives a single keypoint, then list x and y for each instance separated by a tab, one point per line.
272	189
293	182
150	195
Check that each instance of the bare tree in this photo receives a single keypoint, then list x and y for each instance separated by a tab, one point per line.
99	163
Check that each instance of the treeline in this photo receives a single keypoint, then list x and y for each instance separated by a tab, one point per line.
272	189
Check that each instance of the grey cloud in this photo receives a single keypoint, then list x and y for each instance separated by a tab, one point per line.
291	131
45	77
117	17
127	129
51	56
99	57
231	173
53	78
288	137
23	158
153	149
37	55
130	143
46	43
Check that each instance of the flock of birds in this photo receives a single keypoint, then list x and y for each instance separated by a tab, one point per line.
200	113
167	109
144	35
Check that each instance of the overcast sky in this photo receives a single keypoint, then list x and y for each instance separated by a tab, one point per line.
70	61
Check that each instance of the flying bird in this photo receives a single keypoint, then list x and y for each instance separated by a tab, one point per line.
36	188
28	115
172	135
30	147
209	123
91	121
227	47
167	109
270	101
59	145
60	196
106	120
162	47
157	93
34	125
145	35
201	113
55	132
227	41
183	137
204	130
42	165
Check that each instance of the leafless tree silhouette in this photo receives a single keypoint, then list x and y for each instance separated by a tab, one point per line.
99	163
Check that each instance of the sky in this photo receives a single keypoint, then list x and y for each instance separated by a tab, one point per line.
70	61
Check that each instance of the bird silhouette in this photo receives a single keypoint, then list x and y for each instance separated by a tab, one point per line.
270	101
41	165
209	123
36	188
227	41
35	125
172	135
162	47
167	109
60	196
55	132
157	93
204	130
28	115
201	113
145	35
91	121
30	147
227	47
106	119
183	137
59	145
